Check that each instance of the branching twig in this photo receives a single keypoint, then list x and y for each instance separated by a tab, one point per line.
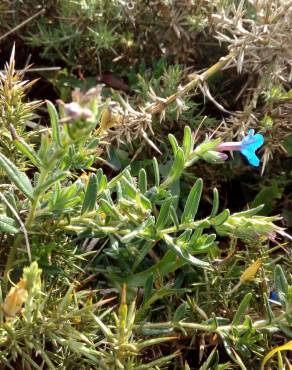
22	24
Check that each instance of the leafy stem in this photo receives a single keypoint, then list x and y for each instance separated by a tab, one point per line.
28	223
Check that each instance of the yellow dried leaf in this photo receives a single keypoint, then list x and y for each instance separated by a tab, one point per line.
250	272
105	121
284	347
109	117
15	298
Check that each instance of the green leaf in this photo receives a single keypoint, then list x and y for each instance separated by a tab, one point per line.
221	218
8	225
192	203
184	236
28	151
281	283
187	142
142	182
146	246
90	194
54	119
156	172
18	178
269	311
109	209
158	294
145	202
148	289
176	169
138	230
58	176
164	214
184	254
231	352
241	309
119	192
203	244
286	329
174	217
112	183
129	191
207	364
161	361
173	143
168	263
215	205
249	212
11	199
266	196
102	183
180	312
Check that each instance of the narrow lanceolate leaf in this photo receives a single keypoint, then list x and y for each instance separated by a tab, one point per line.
109	209
56	177
215	205
286	329
90	194
142	228
280	280
18	178
142	182
176	169
129	191
270	314
164	214
158	362
8	225
156	172
180	312
54	119
249	212
241	309
173	143
174	217
28	151
187	142
184	254
207	364
192	202
221	218
148	289
178	164
24	148
281	283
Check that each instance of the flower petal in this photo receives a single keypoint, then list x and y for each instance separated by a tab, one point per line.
249	145
251	157
252	141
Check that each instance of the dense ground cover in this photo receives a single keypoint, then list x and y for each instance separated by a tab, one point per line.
145	184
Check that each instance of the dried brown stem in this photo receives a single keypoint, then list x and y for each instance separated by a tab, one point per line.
160	105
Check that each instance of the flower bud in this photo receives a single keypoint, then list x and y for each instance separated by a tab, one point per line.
214	157
250	228
75	111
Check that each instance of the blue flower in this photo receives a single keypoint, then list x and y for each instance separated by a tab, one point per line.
274	296
249	145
